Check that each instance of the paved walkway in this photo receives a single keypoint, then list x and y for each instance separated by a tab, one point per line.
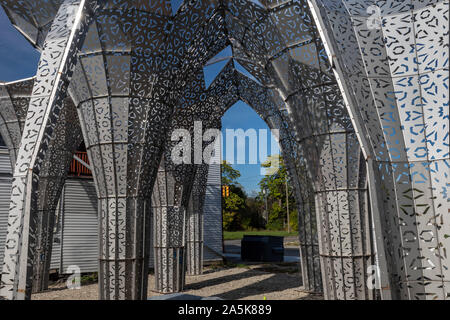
256	282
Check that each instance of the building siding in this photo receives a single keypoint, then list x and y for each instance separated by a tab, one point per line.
78	224
76	232
212	216
5	191
5	164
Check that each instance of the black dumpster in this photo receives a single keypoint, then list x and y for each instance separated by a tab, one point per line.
262	249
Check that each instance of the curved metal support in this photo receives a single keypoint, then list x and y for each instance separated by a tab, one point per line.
291	61
14	102
268	104
331	75
67	137
126	109
194	225
169	219
54	73
392	66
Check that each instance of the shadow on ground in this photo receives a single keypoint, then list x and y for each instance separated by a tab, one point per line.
281	278
277	282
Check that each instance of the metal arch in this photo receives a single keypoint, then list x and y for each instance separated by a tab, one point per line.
265	102
128	87
292	61
14	101
90	62
262	101
43	114
66	138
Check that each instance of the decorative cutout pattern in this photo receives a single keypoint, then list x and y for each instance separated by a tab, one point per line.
397	80
282	49
134	71
54	72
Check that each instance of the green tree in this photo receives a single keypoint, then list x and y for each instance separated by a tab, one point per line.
275	185
229	174
233	205
239	211
293	219
275	221
253	219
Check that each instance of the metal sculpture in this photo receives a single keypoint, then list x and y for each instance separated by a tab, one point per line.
217	99
391	58
54	72
66	138
14	101
194	223
270	107
133	71
172	190
281	48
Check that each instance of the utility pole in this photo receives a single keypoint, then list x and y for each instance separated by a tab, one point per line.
287	206
266	213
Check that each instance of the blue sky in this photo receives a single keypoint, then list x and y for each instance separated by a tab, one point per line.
18	60
241	116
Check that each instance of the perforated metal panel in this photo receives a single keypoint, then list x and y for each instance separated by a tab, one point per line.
132	84
392	58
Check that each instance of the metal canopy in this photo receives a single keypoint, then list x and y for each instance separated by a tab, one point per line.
134	70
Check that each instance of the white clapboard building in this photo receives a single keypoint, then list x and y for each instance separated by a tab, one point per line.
76	234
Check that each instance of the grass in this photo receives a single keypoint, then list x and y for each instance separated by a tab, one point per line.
237	265
89	278
238	235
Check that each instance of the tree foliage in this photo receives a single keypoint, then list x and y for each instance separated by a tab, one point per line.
229	174
239	212
274	185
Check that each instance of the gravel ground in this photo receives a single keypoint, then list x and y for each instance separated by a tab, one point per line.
247	282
